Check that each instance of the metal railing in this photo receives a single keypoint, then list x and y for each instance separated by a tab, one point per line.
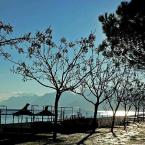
7	117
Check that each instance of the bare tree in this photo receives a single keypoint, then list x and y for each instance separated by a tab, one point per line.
138	97
127	103
97	88
143	105
60	67
130	93
128	97
8	41
119	94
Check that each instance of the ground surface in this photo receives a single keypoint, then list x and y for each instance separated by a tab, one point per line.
135	135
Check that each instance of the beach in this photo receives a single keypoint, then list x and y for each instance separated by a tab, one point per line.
134	135
21	134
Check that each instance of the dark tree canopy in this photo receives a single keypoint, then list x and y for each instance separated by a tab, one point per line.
125	32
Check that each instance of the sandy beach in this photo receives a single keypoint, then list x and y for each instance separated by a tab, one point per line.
134	135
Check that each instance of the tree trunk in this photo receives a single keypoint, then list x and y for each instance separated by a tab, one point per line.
113	122
143	113
114	117
95	120
58	94
124	121
138	114
135	115
125	117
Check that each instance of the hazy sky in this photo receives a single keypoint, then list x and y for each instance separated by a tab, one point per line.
70	18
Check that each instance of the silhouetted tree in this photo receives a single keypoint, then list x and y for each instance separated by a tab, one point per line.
7	41
61	67
97	88
138	97
125	32
143	105
120	93
128	96
127	102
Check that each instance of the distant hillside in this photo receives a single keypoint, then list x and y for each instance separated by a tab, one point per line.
18	101
67	99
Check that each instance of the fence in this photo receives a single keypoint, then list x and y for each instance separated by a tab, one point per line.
7	115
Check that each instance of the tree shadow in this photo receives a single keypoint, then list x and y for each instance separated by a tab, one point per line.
17	138
81	142
85	138
114	135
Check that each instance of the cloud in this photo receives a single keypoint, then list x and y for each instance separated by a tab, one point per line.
5	95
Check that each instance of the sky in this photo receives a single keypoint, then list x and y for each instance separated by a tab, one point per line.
72	19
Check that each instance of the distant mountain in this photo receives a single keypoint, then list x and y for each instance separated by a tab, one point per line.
16	102
67	99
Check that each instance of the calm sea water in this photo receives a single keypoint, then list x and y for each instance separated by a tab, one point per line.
118	113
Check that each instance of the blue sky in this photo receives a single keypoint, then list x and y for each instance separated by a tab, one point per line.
72	19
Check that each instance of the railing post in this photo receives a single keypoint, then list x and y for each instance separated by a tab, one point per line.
0	116
72	111
6	115
63	113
